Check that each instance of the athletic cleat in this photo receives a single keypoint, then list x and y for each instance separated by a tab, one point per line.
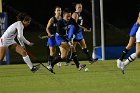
49	62
35	68
81	66
59	64
93	60
67	64
121	66
50	69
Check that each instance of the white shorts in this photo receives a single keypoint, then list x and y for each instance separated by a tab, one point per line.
6	42
138	35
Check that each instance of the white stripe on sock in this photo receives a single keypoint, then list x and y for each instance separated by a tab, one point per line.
133	56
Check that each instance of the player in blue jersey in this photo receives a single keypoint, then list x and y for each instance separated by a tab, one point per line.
135	36
64	39
51	30
132	38
79	35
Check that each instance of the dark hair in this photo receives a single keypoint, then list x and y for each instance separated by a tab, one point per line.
57	7
66	10
23	16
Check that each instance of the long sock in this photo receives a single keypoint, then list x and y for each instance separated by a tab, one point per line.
56	60
131	58
75	59
125	51
87	54
68	59
50	59
28	61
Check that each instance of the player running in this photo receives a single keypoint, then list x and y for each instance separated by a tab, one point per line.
51	30
7	40
79	35
64	39
122	65
132	38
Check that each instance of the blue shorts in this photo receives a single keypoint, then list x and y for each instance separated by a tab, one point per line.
133	30
51	41
58	39
79	35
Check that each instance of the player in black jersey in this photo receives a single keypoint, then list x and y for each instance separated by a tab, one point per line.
51	30
63	38
79	35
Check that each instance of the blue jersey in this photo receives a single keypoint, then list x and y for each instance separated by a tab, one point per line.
133	30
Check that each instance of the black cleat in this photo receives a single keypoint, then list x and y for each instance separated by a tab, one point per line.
35	68
81	66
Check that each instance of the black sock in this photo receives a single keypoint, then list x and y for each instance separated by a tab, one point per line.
68	59
75	59
125	51
87	54
50	59
56	60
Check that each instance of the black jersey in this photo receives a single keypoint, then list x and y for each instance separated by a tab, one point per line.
53	27
80	19
73	22
62	27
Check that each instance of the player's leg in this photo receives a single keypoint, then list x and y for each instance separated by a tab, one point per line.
130	59
75	58
128	47
133	56
52	54
74	55
133	33
71	53
3	48
83	45
51	42
64	49
2	53
17	48
131	42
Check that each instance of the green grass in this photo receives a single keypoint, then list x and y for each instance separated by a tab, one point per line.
102	77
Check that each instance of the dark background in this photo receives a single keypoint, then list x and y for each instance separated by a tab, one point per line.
114	10
119	16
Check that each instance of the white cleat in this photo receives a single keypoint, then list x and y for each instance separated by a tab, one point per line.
50	69
59	64
121	65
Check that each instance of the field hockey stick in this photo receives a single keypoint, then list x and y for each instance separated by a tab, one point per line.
88	30
40	63
35	58
46	67
43	37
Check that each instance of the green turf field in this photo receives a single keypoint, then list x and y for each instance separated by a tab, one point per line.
102	77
